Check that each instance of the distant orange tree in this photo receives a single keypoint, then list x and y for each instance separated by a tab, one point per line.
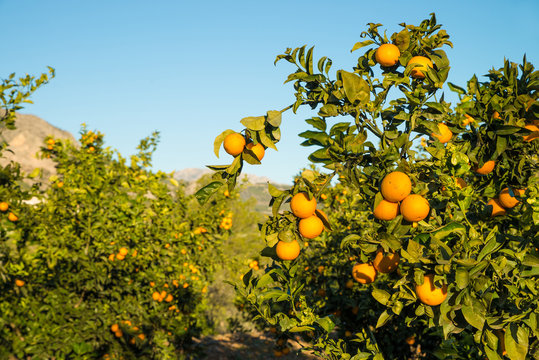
111	260
430	247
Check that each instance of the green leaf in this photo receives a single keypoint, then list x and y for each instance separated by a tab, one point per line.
326	323
355	88
456	88
474	313
207	191
219	140
361	44
266	141
462	278
273	191
402	40
383	319
516	342
274	118
381	296
255	123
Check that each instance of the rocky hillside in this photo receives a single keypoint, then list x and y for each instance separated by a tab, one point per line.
25	142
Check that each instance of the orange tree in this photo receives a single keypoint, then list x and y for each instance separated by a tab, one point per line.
467	267
111	261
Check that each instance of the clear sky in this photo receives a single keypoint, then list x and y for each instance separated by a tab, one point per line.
193	69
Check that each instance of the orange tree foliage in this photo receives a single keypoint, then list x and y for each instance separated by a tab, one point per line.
489	264
110	260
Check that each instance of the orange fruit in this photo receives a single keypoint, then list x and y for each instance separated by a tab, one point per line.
123	251
234	144
141	336
258	149
114	328
460	183
396	186
419	71
496	115
410	340
386	263
119	333
311	227
445	133
287	250
387	55
156	296
468	120
386	210
508	201
19	283
120	257
4	206
364	273
532	136
286	351
12	217
169	298
301	206
111	257
414	208
430	295
486	168
497	208
349	284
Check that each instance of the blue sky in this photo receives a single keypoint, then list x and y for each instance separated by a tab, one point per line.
191	70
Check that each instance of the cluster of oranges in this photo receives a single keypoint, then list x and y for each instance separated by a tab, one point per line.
4	206
506	200
122	253
200	230
254	265
115	328
281	349
387	55
310	225
226	223
396	191
235	143
162	296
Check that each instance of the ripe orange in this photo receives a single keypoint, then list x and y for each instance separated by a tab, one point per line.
508	201
258	149
486	168
156	296
419	71
120	257
396	186
12	217
4	206
386	264
349	284
532	136
123	251
114	328
415	208
410	340
468	120
386	210
169	298
387	55
311	227
445	133
287	250
496	115
428	294
301	206
497	208
19	283
364	273
119	333
234	144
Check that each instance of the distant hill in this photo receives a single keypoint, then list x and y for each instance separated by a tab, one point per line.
257	186
25	142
